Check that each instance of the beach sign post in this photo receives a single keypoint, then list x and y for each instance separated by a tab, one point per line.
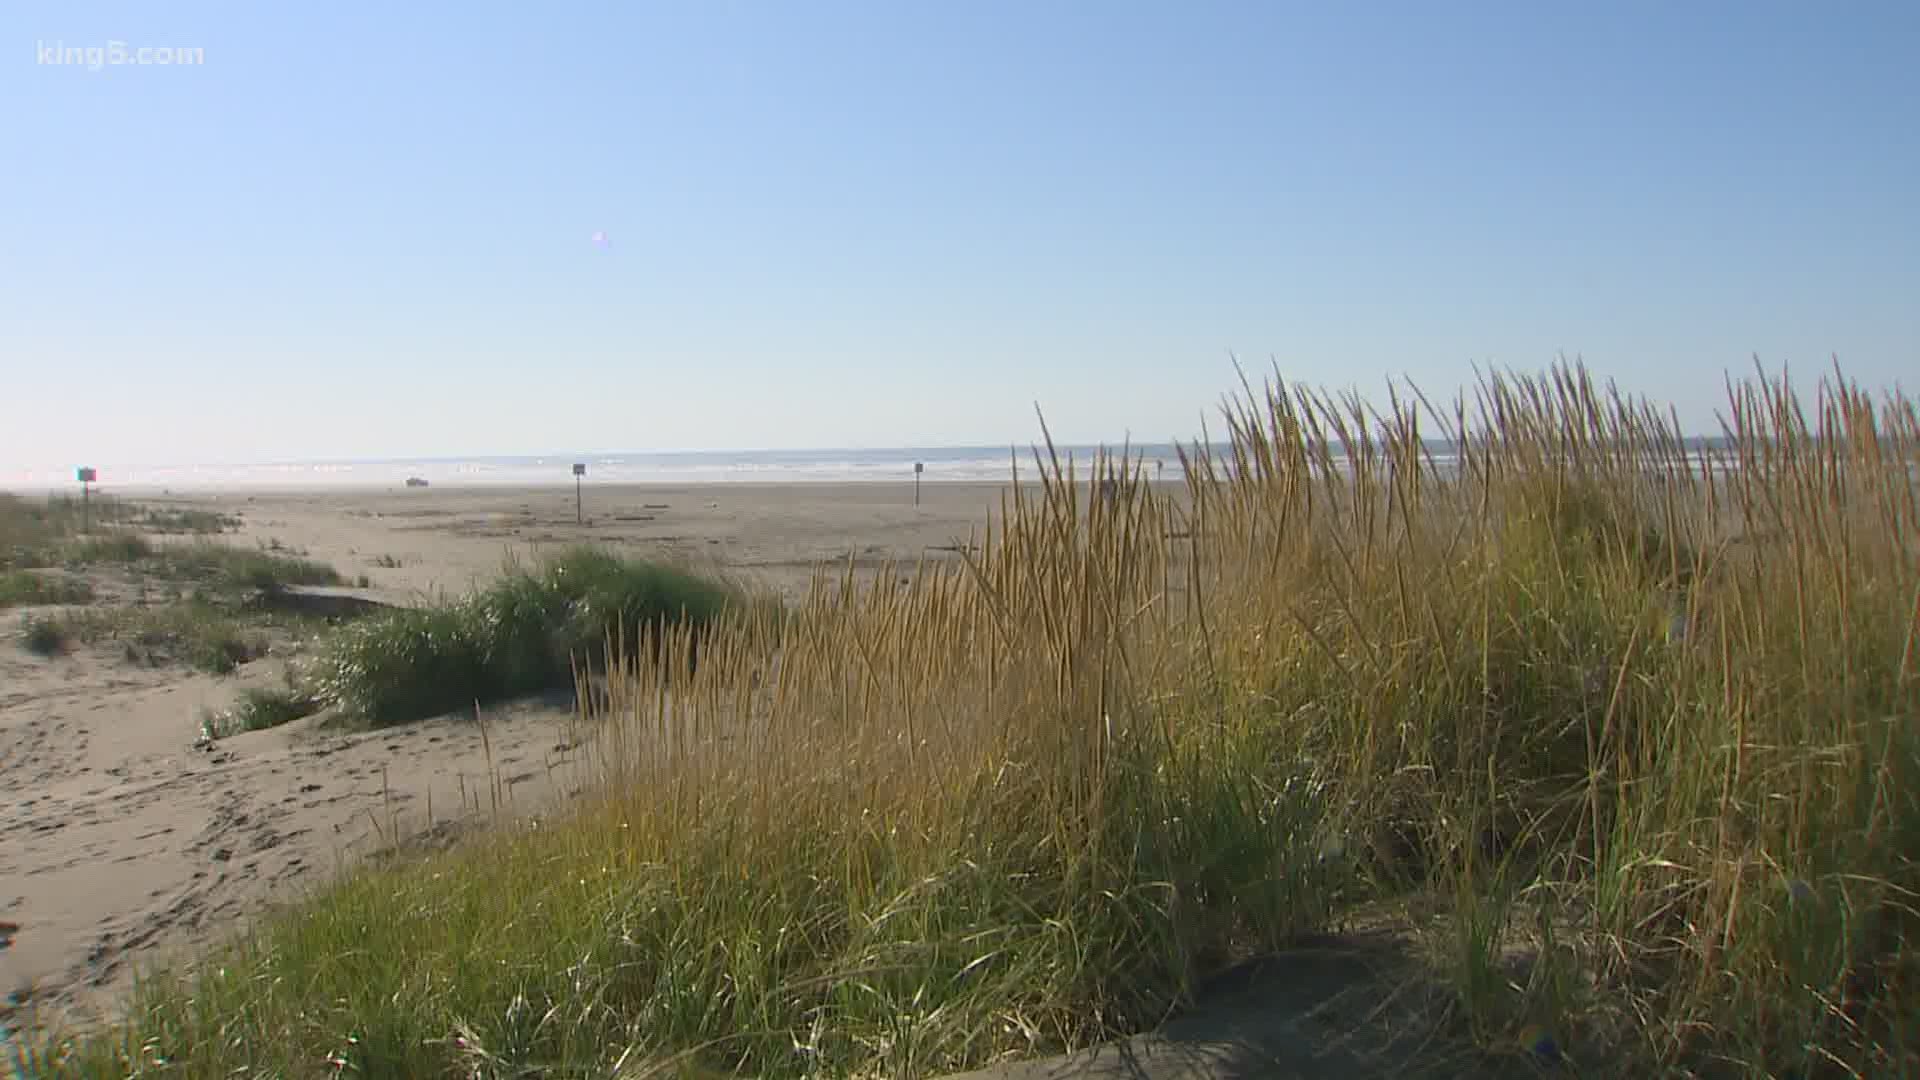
87	477
579	515
918	468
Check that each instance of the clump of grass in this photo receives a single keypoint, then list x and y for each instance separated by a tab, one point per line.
21	587
523	633
27	536
60	515
240	568
260	708
189	521
201	561
44	635
110	547
33	531
200	634
1637	712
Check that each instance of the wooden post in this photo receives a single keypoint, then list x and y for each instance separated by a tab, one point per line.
87	477
918	468
579	513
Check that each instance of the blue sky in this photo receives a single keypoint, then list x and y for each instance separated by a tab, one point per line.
365	229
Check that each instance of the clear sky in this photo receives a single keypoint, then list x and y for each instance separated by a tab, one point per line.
367	229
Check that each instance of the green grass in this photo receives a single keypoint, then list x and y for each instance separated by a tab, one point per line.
260	708
30	531
20	588
187	521
33	532
44	635
206	636
1581	699
523	633
113	547
37	534
201	561
239	568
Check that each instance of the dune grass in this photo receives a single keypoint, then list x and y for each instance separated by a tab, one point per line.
207	636
45	635
44	533
525	632
30	531
184	521
34	532
260	708
201	561
19	588
1638	714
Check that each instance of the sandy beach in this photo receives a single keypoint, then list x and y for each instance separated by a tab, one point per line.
128	839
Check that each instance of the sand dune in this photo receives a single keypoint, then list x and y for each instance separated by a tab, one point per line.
125	839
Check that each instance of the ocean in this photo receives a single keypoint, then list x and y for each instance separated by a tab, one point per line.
942	465
965	464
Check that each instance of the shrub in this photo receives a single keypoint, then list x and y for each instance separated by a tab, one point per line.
526	632
45	636
260	708
20	588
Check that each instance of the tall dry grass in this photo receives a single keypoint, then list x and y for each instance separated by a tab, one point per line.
1637	707
1618	729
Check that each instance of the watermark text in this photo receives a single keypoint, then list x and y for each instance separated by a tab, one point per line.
116	54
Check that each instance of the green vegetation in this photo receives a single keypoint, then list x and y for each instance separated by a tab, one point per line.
531	630
211	637
44	533
260	708
19	588
44	636
1580	697
204	562
30	530
110	547
526	632
199	522
206	621
242	569
33	530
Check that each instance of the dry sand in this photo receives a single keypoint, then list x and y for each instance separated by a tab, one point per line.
123	841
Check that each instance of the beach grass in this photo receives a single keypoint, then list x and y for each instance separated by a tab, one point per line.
527	631
33	531
200	561
30	530
21	588
207	636
1619	731
40	533
45	635
260	708
46	546
173	520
